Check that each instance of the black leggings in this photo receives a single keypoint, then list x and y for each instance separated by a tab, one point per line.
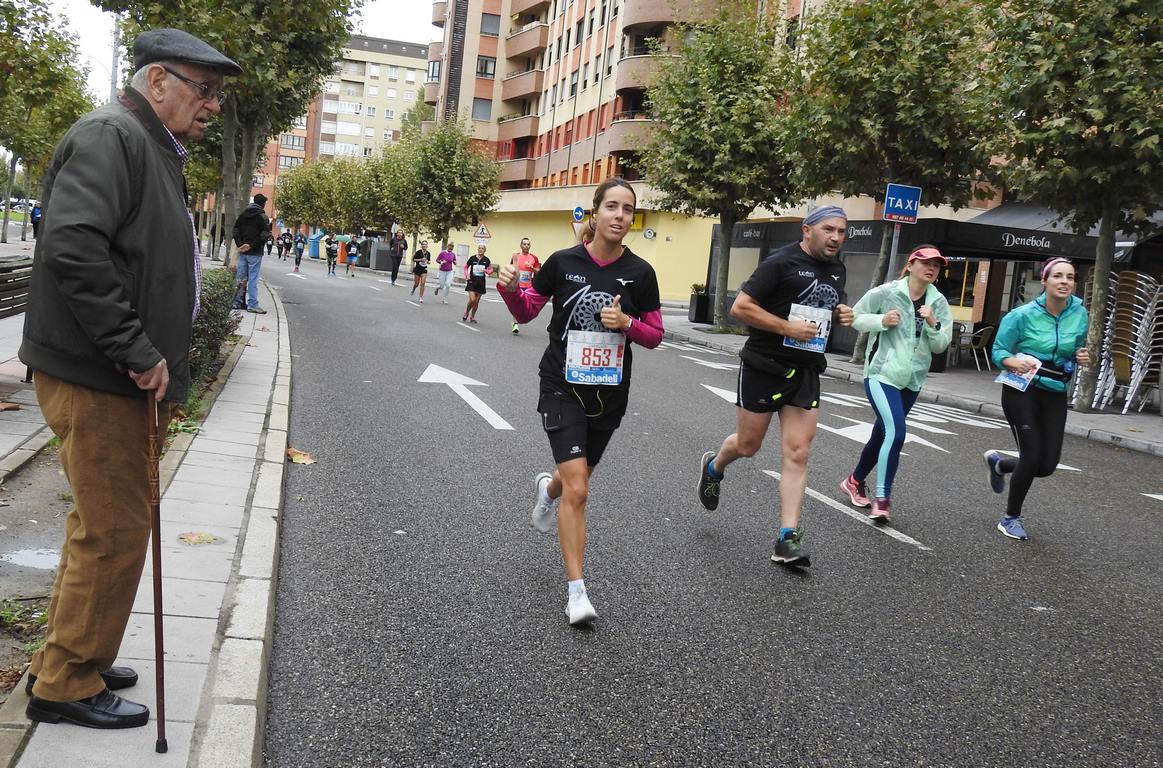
1038	420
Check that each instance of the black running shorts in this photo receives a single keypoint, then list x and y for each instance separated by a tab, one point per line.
766	391
572	434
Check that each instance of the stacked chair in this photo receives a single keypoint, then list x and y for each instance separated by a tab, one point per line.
1132	348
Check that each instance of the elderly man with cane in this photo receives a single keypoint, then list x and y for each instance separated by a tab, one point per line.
115	288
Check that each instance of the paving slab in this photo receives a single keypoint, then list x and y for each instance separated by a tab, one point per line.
184	684
236	450
200	513
194	490
187	639
63	745
183	597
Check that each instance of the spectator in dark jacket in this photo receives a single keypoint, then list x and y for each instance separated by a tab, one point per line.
398	246
251	230
114	292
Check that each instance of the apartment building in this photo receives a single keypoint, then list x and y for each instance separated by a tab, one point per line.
358	112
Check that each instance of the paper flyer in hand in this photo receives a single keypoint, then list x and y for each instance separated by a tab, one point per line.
1020	381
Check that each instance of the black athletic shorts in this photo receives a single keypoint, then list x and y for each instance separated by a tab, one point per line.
573	431
776	385
475	285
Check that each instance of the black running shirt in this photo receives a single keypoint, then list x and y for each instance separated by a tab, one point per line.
789	276
579	288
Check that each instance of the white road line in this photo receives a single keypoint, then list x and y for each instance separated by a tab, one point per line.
459	384
466	325
1060	466
1158	496
296	274
709	364
726	394
377	290
414	304
859	516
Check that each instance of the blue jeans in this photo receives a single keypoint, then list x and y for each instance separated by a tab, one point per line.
248	267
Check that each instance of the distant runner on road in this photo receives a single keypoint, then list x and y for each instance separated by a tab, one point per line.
527	265
789	303
475	270
603	297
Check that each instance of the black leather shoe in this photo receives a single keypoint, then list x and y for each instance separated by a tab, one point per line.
116	679
105	710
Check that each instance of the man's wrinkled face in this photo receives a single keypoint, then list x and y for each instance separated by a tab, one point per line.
824	238
185	106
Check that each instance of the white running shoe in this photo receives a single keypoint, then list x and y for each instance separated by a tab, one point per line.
579	609
542	511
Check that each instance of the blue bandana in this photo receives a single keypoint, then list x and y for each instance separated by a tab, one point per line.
825	212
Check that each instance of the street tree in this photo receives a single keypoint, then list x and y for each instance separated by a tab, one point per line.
884	93
718	105
1079	84
413	120
284	49
456	179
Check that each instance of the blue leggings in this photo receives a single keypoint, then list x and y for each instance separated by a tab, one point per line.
883	449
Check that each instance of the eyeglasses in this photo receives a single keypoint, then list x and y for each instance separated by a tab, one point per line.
205	90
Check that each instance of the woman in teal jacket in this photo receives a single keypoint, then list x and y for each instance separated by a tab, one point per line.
1050	330
908	321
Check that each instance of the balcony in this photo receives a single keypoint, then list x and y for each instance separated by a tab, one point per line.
626	134
517	127
528	41
635	71
431	93
517	170
655	12
522	84
436	50
527	6
439	12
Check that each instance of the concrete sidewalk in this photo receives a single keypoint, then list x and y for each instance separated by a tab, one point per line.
222	494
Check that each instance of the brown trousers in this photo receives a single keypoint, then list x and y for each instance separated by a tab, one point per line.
104	452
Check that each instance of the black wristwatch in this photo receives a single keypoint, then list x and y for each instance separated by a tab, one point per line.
937	327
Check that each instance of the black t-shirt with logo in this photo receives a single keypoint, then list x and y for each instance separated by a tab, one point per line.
579	289
789	276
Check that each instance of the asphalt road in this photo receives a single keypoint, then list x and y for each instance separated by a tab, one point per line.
420	620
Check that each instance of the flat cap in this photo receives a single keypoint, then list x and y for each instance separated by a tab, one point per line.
176	45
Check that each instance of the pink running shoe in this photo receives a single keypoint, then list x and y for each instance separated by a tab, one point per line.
856	491
880	511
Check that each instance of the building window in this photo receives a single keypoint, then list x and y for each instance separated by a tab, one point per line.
367	151
373	90
387	135
590	29
391	94
258	181
490	24
409	96
349	150
293	142
373	70
331	87
389	114
345	128
553	98
558	56
327	126
573	84
482	109
371	111
350	107
434	71
614	10
486	66
350	90
327	147
577	32
603	21
585	75
369	133
609	61
567	39
287	161
301	121
409	75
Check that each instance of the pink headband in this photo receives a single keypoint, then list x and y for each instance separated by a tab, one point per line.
1050	265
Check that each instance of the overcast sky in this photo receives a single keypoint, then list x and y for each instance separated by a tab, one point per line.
406	20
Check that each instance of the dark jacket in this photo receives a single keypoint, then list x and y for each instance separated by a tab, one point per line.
113	272
252	227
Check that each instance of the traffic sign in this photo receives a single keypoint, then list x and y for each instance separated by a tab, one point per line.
482	232
901	203
579	213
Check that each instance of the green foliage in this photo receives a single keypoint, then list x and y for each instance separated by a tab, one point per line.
414	118
1079	87
453	177
215	322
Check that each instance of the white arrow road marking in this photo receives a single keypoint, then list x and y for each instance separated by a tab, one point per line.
459	384
859	517
296	274
465	325
726	394
1060	466
860	431
1158	496
707	363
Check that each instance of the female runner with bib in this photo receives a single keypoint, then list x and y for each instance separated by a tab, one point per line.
603	297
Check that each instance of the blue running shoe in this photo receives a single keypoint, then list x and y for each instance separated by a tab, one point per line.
997	481
1012	527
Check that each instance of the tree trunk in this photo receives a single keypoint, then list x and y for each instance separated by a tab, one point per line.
879	275
229	202
726	232
27	207
10	182
1099	297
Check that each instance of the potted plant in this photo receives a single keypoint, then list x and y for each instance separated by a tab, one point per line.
699	309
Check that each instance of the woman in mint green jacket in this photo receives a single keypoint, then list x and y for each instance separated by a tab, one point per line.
908	321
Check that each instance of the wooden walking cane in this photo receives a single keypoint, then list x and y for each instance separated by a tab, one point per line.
155	498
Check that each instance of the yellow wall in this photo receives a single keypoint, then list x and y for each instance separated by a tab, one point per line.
678	252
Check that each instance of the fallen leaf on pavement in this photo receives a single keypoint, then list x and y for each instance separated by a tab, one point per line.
198	539
9	407
299	457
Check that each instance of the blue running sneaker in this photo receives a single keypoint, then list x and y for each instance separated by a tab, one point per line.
997	481
1012	527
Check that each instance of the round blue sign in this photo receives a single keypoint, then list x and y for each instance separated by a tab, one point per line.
579	213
